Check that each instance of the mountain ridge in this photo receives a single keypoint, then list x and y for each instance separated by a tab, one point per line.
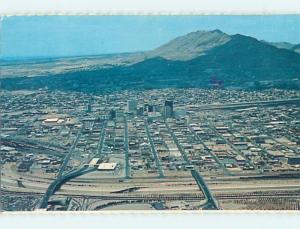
191	45
235	59
285	45
186	47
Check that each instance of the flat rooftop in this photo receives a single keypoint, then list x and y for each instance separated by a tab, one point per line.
107	166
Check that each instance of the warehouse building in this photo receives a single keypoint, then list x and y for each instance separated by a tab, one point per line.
107	166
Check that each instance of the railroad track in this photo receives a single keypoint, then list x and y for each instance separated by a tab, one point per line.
257	195
154	198
170	197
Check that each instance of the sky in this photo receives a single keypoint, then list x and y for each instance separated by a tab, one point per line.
55	36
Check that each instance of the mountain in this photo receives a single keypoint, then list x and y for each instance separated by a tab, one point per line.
239	60
296	48
187	61
191	45
282	45
182	48
286	45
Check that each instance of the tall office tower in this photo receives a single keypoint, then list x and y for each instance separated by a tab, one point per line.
168	109
140	111
146	106
131	106
150	108
89	108
112	114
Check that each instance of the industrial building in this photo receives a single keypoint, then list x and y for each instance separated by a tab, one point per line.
107	166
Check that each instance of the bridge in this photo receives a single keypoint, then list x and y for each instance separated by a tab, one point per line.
211	202
57	183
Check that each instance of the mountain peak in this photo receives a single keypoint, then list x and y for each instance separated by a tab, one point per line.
217	31
191	45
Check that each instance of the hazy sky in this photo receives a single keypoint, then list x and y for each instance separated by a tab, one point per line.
50	36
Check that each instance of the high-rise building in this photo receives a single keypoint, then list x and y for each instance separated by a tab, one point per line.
131	106
146	105
89	108
140	111
150	108
168	109
112	114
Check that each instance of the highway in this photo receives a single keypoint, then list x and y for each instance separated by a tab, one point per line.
59	177
30	146
126	149
160	170
69	154
211	202
248	104
54	186
101	139
22	139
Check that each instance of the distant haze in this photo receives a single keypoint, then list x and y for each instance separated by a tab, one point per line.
55	36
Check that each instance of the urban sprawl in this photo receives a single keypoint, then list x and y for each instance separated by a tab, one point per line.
185	149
